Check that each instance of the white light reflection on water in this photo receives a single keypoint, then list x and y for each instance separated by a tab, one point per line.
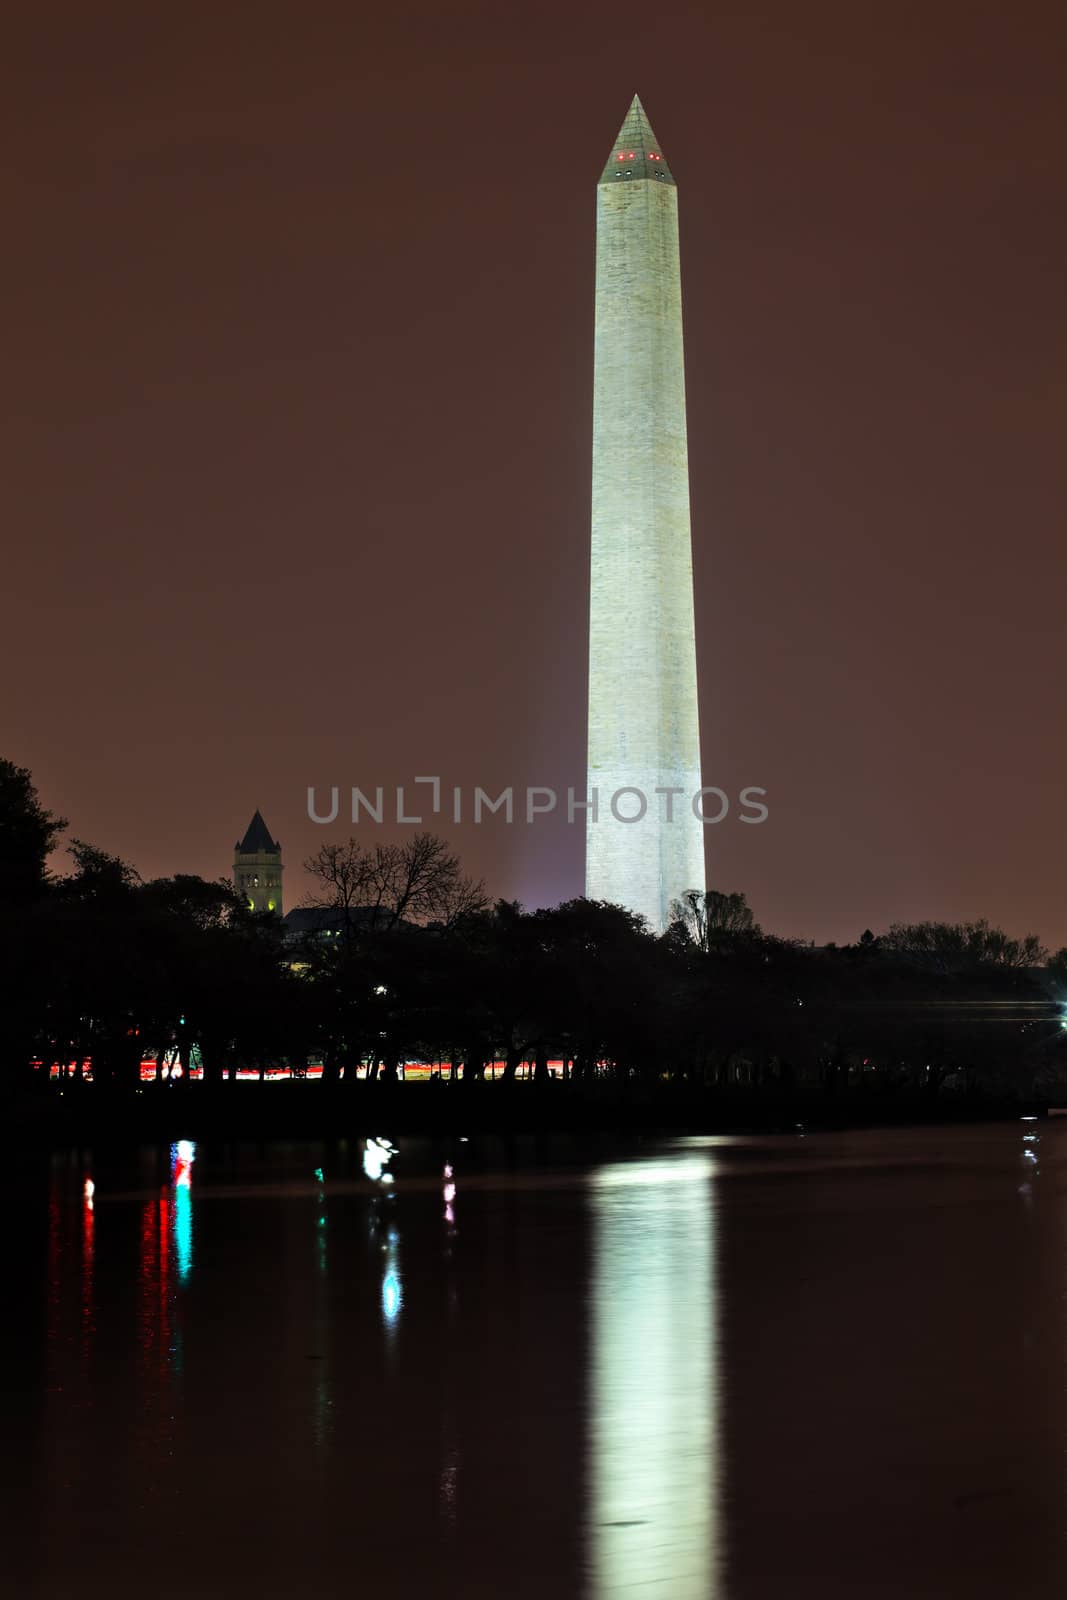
377	1154
654	1477
448	1492
182	1156
88	1251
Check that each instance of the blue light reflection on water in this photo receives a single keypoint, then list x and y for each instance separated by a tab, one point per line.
323	1383
392	1291
182	1156
377	1154
183	1232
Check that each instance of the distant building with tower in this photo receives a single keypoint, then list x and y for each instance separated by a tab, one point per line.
644	739
257	868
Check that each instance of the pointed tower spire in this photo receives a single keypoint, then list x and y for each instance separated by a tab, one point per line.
636	152
257	836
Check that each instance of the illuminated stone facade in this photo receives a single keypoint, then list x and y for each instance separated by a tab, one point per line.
643	728
257	868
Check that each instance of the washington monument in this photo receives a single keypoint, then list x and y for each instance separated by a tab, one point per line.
644	734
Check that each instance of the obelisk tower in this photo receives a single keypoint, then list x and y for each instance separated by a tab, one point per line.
644	734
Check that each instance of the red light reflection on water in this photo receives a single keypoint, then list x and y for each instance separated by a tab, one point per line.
88	1320
156	1311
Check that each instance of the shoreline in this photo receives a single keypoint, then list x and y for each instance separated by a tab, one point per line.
286	1110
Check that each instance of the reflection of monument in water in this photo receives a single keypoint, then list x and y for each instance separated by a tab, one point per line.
653	1479
643	734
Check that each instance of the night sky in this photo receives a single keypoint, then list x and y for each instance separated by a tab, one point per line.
296	447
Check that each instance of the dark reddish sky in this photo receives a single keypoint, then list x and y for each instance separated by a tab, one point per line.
298	341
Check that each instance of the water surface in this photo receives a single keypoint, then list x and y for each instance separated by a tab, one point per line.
697	1369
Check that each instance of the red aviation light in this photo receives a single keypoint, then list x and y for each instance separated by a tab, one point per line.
652	156
625	155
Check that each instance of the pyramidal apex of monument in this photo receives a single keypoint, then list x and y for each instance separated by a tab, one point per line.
636	153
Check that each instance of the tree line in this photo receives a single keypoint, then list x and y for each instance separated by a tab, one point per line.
400	956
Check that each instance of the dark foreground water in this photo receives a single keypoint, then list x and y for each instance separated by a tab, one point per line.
825	1366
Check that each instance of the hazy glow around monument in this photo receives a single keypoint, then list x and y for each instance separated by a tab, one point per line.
643	727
